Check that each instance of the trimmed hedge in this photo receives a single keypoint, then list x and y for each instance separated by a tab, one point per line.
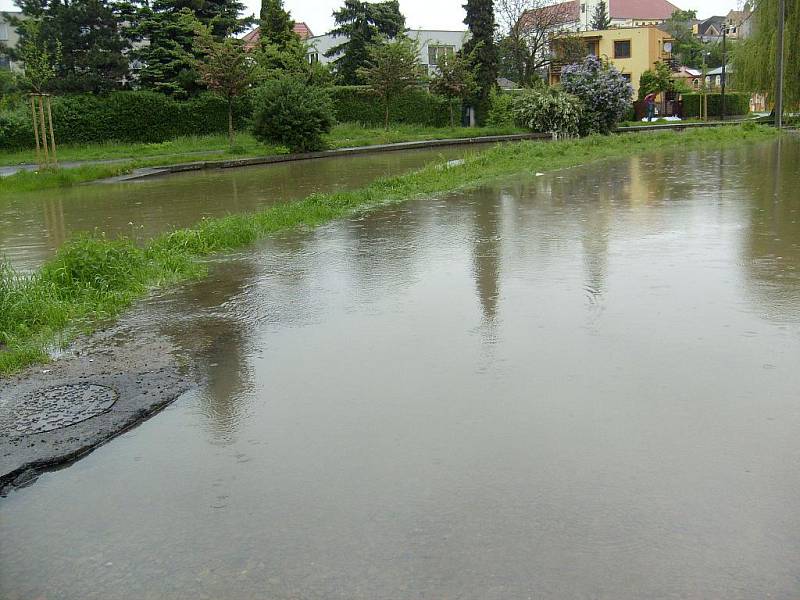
357	104
736	103
123	117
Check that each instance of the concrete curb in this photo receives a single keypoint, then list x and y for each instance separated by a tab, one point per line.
145	173
139	174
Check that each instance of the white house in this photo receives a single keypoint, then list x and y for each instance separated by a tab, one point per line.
8	38
433	45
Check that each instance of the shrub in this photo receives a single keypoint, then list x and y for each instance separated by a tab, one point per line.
549	110
606	95
292	113
501	109
735	104
357	104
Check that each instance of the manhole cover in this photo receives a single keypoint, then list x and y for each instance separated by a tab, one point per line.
61	406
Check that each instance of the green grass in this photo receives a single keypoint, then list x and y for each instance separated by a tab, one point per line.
92	280
202	148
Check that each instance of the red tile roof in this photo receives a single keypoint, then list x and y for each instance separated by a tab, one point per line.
570	11
251	39
303	31
641	9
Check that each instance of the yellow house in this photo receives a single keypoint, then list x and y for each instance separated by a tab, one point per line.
632	50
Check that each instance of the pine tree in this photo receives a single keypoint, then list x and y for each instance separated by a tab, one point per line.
92	48
276	24
601	19
169	58
363	24
480	21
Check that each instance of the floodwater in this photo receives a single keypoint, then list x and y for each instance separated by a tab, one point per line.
34	225
582	385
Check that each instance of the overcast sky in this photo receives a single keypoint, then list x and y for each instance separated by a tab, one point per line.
428	14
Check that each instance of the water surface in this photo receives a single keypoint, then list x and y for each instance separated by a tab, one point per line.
582	385
34	225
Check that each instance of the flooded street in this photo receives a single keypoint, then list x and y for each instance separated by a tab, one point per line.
581	385
34	225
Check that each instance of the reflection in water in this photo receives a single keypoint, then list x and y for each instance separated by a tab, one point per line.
772	240
486	253
409	404
34	225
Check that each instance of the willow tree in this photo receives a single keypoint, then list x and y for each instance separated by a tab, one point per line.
755	58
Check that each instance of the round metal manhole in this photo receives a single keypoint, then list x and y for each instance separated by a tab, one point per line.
60	406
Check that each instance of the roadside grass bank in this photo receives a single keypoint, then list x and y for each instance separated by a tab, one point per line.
92	280
204	148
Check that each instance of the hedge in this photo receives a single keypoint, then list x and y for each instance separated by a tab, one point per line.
152	117
357	104
122	117
736	103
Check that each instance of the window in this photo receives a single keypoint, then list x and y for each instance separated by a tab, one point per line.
5	63
3	32
439	53
592	48
583	8
626	77
622	49
313	58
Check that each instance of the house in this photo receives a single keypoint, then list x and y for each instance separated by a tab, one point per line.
252	39
692	78
710	29
632	50
740	23
433	46
577	15
9	38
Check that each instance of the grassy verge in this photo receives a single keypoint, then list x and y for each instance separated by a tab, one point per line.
92	280
202	148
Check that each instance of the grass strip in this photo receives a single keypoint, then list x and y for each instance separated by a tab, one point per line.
203	148
93	279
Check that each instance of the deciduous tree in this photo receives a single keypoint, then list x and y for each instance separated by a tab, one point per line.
224	68
526	28
392	69
455	79
754	58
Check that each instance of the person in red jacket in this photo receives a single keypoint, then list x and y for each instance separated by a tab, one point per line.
650	103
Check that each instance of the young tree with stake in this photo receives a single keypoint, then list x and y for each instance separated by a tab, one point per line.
224	68
392	69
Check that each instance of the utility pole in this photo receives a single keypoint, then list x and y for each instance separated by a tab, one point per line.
779	78
724	66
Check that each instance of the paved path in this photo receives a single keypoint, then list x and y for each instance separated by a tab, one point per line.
7	170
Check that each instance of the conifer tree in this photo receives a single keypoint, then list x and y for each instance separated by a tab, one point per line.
601	19
276	24
88	32
363	24
481	24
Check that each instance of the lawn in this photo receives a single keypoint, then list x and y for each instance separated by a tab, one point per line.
202	148
342	136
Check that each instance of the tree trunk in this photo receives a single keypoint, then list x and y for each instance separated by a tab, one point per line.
230	123
452	118
386	113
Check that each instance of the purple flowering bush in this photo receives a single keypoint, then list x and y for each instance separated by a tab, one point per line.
606	95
